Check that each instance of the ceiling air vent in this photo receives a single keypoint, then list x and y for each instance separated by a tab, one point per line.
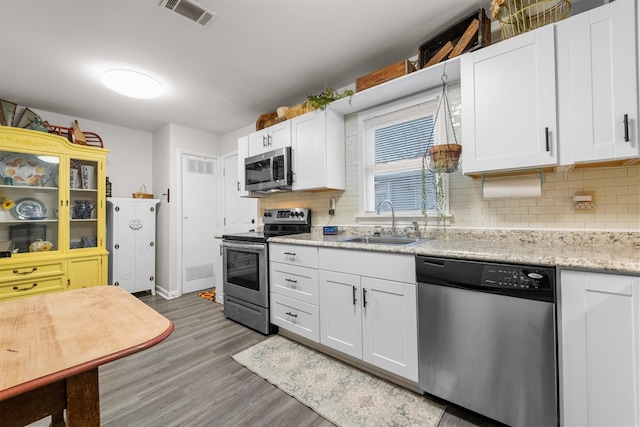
190	9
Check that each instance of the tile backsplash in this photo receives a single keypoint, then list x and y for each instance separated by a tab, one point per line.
617	198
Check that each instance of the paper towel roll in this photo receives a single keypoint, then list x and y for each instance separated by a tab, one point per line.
521	186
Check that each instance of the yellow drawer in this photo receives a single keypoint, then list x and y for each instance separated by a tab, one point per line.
32	287
28	271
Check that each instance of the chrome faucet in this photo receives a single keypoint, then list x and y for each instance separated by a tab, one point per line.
393	214
416	227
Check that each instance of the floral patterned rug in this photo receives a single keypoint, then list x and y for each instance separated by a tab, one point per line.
342	394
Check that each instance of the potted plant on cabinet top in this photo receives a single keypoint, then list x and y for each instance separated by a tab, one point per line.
327	96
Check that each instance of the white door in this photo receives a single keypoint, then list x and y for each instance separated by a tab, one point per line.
390	326
341	312
200	213
240	213
517	79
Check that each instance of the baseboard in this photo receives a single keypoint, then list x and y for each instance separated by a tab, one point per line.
166	294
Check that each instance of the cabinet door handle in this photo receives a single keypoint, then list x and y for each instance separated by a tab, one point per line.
17	288
288	313
354	295
290	253
290	280
626	127
25	272
269	140
264	142
238	185
546	137
364	297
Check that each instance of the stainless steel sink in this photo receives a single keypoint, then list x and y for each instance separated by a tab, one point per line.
385	240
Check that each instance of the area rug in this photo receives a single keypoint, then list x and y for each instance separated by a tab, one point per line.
210	295
344	395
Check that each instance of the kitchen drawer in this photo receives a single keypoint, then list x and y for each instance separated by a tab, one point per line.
296	282
379	265
295	316
305	256
32	287
29	271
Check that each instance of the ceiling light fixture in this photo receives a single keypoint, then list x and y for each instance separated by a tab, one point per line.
132	84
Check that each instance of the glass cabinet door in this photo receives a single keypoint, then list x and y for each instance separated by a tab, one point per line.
83	200
29	194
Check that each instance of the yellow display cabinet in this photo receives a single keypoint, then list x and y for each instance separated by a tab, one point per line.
56	221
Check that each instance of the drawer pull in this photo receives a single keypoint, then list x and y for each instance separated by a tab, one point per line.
288	313
25	272
290	280
17	288
290	253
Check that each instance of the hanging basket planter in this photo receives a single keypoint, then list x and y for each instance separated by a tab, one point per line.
444	158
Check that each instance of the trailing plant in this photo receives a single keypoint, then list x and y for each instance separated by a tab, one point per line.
327	96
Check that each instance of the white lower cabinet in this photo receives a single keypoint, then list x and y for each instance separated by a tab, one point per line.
368	308
599	349
293	284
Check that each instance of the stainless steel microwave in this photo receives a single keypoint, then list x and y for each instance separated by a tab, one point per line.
270	171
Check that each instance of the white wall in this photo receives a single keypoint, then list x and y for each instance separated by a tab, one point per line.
169	144
129	162
229	141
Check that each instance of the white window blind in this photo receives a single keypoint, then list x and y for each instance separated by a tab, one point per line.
394	141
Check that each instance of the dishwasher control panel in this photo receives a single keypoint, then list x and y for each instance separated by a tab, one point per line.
511	277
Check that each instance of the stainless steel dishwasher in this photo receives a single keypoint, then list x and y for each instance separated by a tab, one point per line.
487	338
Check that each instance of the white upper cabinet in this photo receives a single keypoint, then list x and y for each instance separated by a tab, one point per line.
597	57
271	138
318	144
509	104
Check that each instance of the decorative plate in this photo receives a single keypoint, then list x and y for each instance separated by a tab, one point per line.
25	169
29	208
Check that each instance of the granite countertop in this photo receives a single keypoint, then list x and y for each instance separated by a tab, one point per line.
597	251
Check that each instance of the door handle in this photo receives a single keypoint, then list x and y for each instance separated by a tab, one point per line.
354	295
626	127
546	137
364	297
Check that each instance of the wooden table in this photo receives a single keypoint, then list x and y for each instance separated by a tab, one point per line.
51	346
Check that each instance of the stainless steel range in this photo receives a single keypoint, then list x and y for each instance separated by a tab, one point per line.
246	266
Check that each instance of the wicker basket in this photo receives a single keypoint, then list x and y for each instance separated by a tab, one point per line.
298	110
142	194
519	16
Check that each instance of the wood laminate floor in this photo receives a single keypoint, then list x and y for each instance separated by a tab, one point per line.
190	379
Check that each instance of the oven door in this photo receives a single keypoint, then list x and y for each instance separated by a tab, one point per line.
245	272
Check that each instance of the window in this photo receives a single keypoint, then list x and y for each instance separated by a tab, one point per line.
394	138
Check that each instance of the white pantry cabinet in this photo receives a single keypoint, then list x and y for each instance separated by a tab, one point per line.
368	308
318	144
509	104
131	240
293	285
599	349
271	138
598	84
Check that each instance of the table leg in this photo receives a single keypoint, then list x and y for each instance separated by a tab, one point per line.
57	420
83	400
